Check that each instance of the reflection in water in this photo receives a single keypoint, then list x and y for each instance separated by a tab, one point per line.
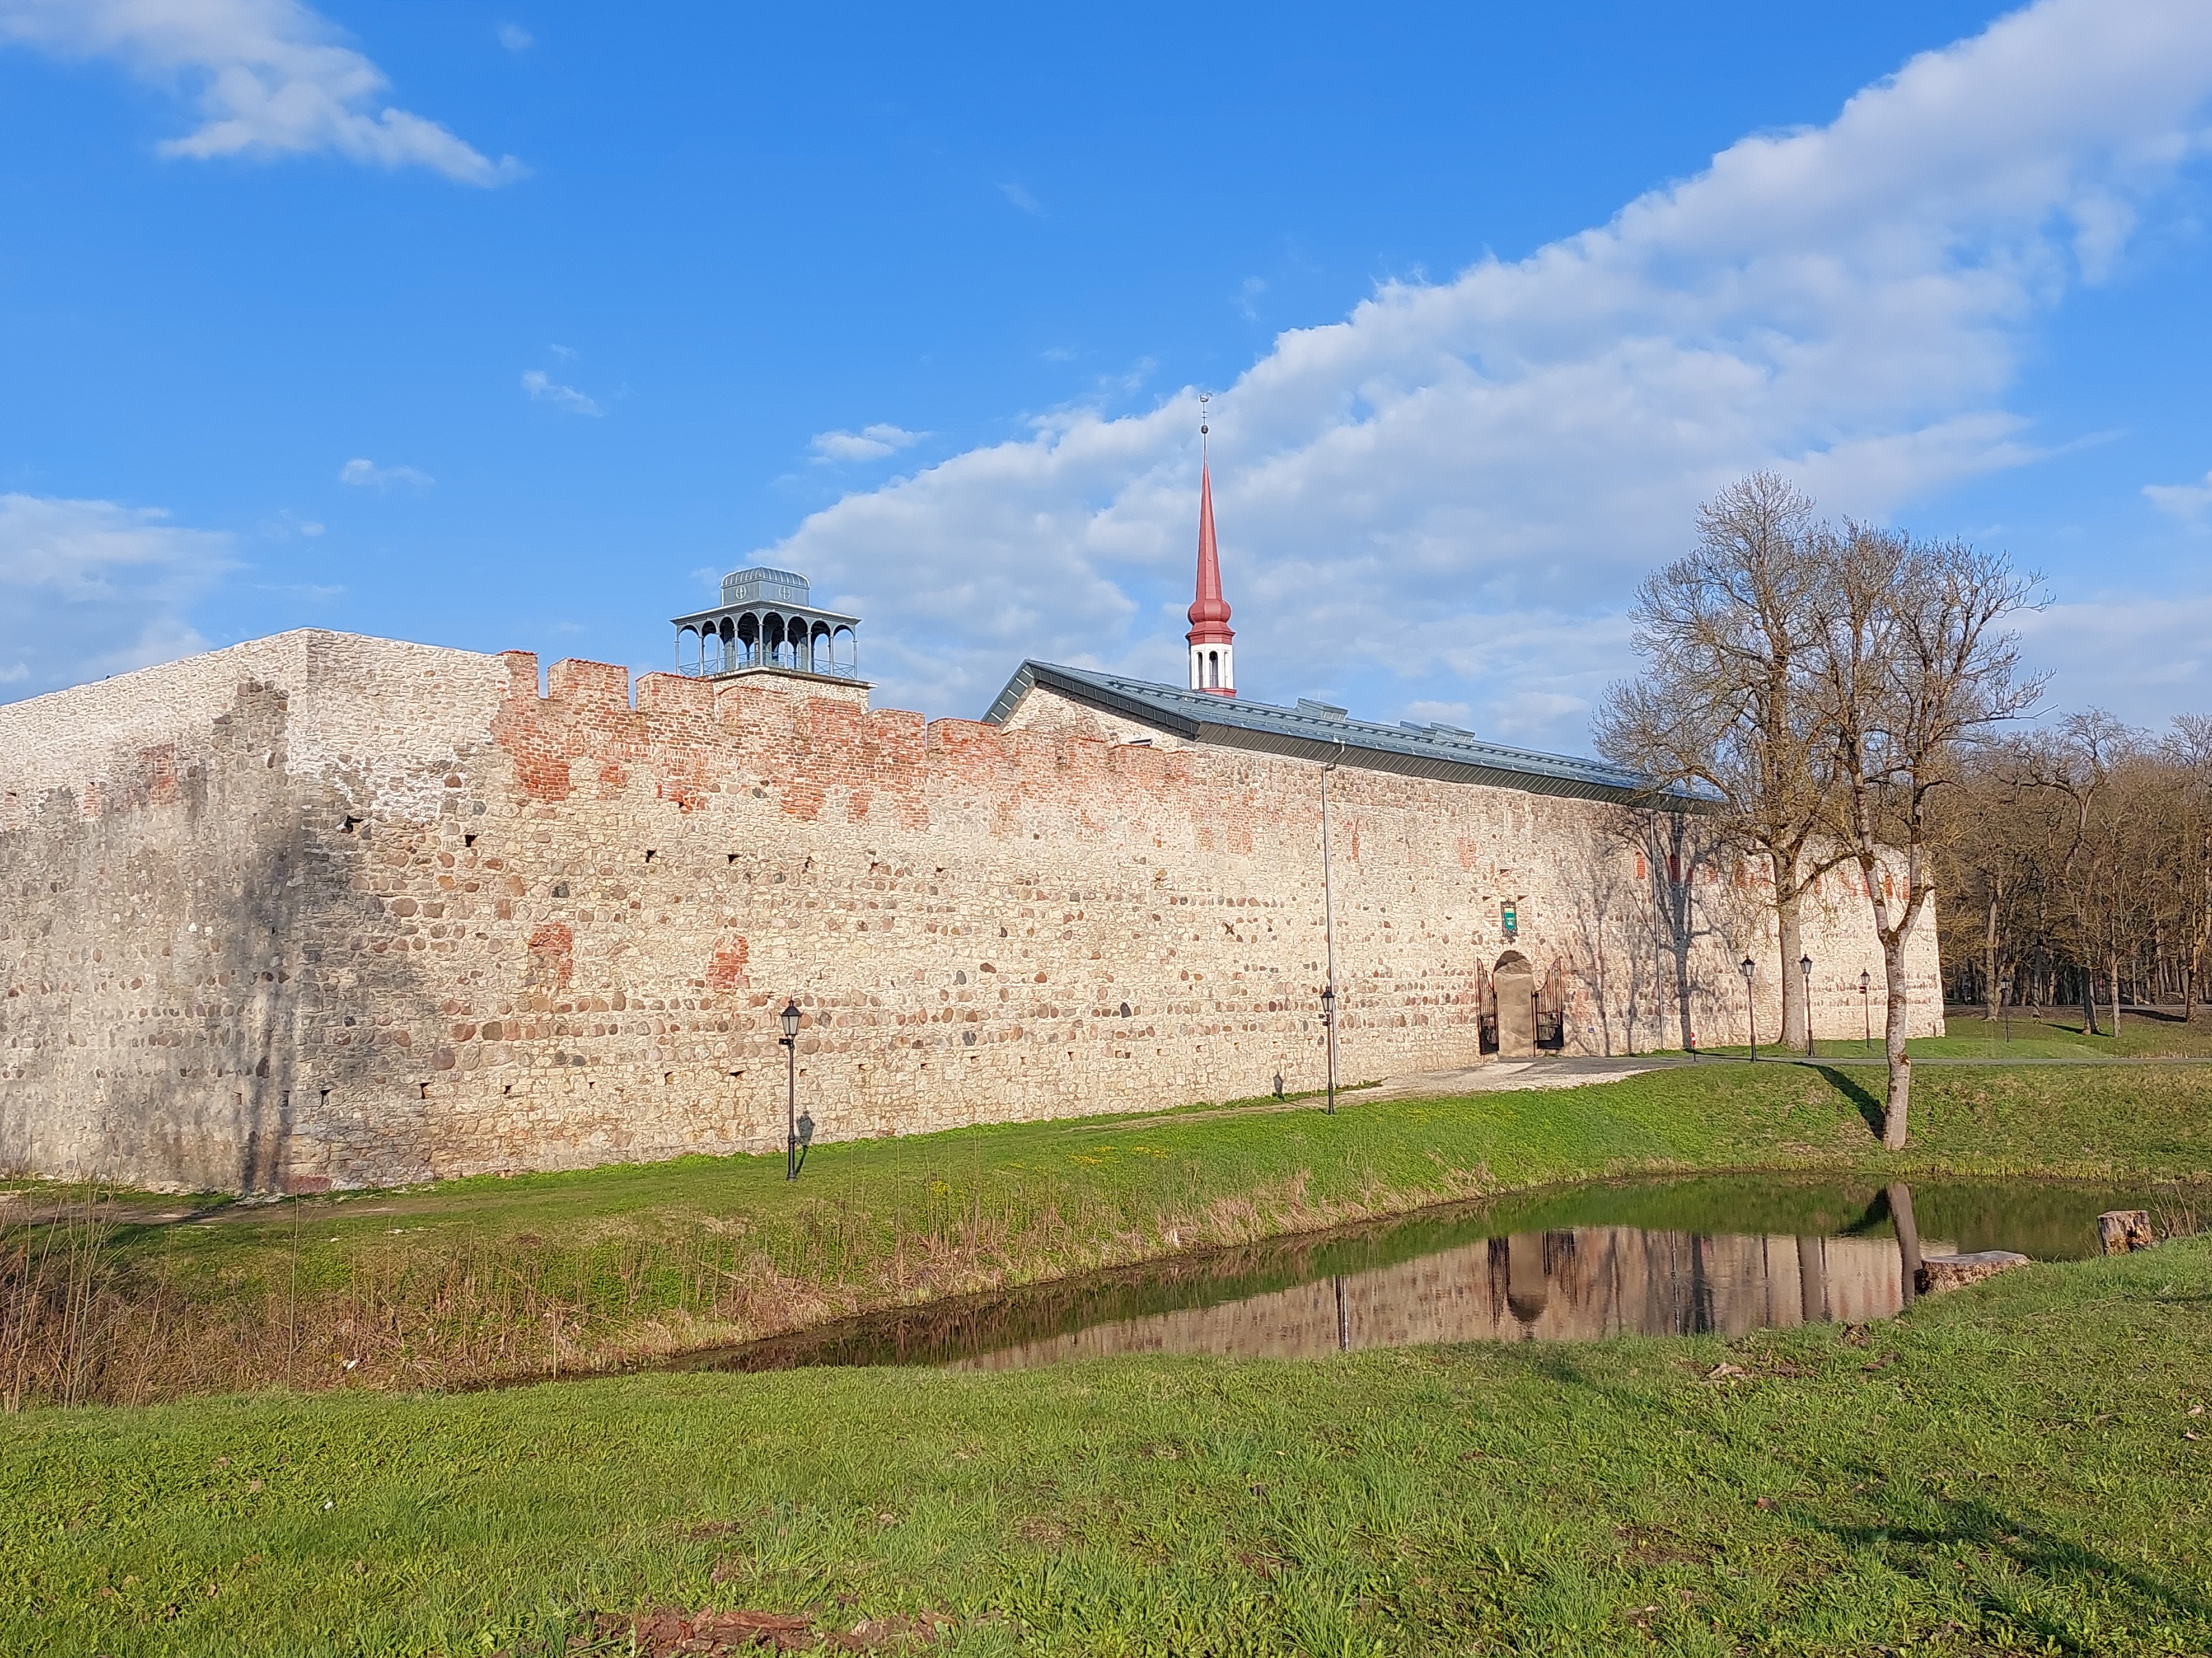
1718	1254
1579	1283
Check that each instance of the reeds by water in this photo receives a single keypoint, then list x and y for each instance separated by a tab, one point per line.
101	1309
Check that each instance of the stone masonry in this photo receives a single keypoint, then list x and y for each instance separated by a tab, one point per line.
323	911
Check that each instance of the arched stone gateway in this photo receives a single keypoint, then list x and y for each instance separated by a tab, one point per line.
1514	983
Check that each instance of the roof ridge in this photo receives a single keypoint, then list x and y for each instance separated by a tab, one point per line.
1436	751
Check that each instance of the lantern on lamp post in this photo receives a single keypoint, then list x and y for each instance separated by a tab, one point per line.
1751	1012
1328	1029
1329	934
1805	968
1866	1009
790	1017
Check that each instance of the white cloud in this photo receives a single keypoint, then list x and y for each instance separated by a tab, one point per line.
2144	661
869	443
367	474
546	389
90	587
515	38
1450	494
285	524
1022	200
2189	503
271	77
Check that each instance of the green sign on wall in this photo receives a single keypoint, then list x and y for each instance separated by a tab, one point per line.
1510	917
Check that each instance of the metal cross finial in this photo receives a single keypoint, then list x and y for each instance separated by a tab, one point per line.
1203	397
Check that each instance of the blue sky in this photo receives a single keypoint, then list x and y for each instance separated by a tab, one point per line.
509	327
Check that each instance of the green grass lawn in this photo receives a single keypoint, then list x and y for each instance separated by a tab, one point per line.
2009	1469
2050	1035
549	1274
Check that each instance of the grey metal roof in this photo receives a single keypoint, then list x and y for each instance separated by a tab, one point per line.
761	584
807	610
1315	730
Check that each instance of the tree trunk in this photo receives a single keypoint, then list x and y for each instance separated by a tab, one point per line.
2116	999
1908	1234
1789	916
1812	1280
1989	959
1894	1027
2089	1004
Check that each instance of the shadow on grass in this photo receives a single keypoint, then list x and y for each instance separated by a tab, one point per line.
2046	1560
2039	1554
1869	1108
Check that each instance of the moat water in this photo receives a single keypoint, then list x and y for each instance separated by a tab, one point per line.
1725	1255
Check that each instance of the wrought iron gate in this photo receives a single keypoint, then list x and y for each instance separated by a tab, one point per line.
1551	1010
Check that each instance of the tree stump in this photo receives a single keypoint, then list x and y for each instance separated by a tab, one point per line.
1938	1273
2121	1230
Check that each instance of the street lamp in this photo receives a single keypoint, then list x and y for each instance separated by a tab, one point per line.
1805	966
1866	1007
790	1041
1329	932
1328	1025
1747	969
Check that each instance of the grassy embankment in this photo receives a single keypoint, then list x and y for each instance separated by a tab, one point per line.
547	1275
2052	1034
2017	1468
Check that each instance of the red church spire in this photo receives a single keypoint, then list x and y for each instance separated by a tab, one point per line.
1210	664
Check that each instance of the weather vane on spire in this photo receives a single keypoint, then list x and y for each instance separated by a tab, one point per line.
1211	667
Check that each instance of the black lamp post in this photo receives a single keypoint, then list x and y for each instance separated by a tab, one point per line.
1328	1026
1805	968
1750	1009
790	1041
1866	1007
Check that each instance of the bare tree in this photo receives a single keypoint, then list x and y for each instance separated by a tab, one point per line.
2078	763
1725	632
1913	663
2076	861
1989	870
2188	750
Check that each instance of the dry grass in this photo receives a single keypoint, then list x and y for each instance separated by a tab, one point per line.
490	1280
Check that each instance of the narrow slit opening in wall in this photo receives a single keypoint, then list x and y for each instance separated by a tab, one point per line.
733	858
348	825
650	854
468	840
425	1087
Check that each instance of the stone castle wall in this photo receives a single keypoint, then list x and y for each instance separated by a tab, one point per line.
327	910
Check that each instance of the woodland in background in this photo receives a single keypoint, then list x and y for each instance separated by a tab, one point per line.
2074	868
1819	684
